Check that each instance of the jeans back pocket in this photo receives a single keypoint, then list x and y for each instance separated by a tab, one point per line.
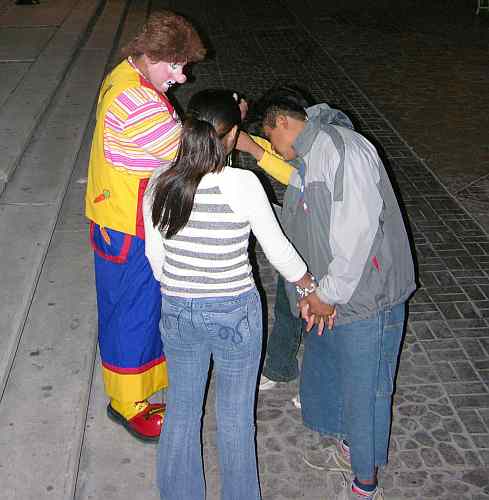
231	326
172	320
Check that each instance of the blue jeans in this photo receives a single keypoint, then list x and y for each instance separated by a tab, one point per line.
283	343
193	330
347	381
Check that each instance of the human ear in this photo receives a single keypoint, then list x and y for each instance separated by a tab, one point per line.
281	121
148	61
233	131
229	140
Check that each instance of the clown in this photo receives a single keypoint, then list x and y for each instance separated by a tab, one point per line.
137	131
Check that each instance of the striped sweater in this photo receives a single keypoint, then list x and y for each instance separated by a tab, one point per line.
140	132
209	256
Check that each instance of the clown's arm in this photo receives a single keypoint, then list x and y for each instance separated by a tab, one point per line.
266	158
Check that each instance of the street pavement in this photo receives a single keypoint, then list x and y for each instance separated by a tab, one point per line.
414	79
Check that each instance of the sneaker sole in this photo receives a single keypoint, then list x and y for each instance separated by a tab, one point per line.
343	468
313	466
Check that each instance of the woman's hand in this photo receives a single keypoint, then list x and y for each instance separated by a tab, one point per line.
243	107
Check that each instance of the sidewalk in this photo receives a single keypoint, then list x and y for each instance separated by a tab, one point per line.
413	77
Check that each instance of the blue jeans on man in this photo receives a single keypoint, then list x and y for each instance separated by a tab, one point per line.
193	330
281	363
347	377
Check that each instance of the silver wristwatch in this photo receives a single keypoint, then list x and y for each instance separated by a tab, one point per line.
304	292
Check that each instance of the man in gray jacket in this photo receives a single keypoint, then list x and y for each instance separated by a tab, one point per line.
341	213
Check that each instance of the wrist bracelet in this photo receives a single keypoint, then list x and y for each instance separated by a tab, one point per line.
304	292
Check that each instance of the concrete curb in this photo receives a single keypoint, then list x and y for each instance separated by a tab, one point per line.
25	107
40	330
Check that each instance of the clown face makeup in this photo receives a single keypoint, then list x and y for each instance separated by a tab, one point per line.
162	75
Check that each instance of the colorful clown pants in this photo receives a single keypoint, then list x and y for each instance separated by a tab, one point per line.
129	309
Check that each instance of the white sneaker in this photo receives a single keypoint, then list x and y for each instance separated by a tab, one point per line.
349	493
266	383
296	401
330	458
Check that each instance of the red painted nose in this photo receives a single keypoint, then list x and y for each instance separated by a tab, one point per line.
181	78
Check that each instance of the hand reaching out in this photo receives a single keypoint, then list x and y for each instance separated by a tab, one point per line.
243	105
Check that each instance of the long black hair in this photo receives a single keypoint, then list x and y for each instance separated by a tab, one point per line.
211	114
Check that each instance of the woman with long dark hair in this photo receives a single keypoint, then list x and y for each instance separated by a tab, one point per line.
198	216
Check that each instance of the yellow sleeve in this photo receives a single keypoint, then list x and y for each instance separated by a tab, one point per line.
272	163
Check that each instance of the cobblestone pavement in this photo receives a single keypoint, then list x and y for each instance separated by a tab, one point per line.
415	82
424	65
414	79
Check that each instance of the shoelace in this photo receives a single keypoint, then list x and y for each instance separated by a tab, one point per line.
333	457
345	483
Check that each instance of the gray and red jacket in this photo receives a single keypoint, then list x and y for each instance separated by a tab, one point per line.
342	215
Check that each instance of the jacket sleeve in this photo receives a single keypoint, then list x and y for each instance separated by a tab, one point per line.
353	225
272	163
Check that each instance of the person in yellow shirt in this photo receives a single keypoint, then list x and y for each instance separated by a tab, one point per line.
137	131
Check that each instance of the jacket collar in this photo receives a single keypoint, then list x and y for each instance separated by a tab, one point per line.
319	117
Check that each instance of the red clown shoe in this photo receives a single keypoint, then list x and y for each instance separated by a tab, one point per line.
145	425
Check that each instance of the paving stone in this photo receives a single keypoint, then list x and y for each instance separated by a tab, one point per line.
424	438
482	366
442	435
472	459
485	456
466	388
411	459
433	443
465	371
481	440
440	329
485	344
412	479
484	413
472	421
431	457
479	401
452	425
446	372
478	477
438	345
447	355
473	348
462	441
450	454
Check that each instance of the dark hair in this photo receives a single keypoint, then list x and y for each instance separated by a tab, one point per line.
168	37
288	100
210	116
